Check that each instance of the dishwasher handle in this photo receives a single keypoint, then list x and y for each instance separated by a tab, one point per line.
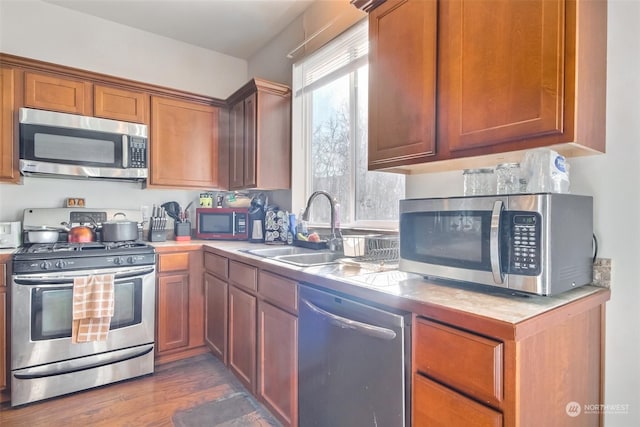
343	322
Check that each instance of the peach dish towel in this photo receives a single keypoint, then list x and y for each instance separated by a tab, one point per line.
92	307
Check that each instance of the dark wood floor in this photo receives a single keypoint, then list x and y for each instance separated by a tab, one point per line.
148	401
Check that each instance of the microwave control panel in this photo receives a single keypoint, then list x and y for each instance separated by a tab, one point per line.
137	152
524	245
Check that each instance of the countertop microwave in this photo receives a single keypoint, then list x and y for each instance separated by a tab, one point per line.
69	145
222	223
534	243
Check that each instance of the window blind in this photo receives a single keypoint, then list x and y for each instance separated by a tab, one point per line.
344	54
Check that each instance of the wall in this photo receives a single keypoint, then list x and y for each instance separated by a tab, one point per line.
613	180
46	32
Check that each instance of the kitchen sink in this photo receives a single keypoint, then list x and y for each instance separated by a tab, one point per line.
281	250
311	259
301	257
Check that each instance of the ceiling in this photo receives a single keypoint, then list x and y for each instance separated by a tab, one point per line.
234	27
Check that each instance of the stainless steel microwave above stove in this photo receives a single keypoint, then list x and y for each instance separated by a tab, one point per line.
44	360
534	243
60	144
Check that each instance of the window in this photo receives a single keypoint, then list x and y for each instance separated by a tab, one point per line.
330	136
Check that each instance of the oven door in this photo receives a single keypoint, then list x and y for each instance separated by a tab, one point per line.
42	315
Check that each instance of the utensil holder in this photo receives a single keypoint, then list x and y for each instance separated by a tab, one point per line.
182	230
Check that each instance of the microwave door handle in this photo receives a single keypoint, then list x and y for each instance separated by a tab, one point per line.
125	151
494	243
233	223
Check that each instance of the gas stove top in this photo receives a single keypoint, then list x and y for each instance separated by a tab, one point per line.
87	249
63	256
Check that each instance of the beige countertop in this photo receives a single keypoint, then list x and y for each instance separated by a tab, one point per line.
398	289
413	293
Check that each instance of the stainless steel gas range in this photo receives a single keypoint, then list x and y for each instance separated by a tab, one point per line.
44	361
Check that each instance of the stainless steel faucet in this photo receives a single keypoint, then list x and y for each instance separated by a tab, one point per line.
335	240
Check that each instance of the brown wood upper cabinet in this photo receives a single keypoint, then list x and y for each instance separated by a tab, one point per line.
511	75
121	104
63	94
184	144
260	136
8	128
402	83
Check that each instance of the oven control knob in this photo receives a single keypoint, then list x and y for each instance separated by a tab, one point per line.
118	260
131	260
45	265
61	264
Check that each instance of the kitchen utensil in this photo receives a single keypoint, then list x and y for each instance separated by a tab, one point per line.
172	209
81	234
119	230
43	235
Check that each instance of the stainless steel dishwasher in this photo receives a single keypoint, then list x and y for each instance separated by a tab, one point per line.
354	362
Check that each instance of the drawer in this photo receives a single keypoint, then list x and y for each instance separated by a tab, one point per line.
465	361
278	290
178	261
436	405
243	275
216	265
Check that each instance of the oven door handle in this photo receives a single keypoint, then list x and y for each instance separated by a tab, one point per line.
67	280
65	368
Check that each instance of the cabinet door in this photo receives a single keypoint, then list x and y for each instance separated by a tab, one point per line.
216	292
236	149
250	141
502	71
242	336
278	362
8	139
49	92
173	312
4	332
402	82
184	144
437	406
119	104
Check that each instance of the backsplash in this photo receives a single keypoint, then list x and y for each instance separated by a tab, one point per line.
602	272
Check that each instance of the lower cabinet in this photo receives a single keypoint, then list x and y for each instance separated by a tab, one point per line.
242	336
438	406
278	346
216	292
479	373
252	325
179	306
172	312
4	322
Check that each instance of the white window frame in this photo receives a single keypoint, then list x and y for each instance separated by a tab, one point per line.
301	158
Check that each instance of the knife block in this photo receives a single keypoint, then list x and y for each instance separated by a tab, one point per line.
157	235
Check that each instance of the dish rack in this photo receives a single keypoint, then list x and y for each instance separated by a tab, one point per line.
372	248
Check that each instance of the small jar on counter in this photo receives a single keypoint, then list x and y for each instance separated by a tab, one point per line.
508	178
478	182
